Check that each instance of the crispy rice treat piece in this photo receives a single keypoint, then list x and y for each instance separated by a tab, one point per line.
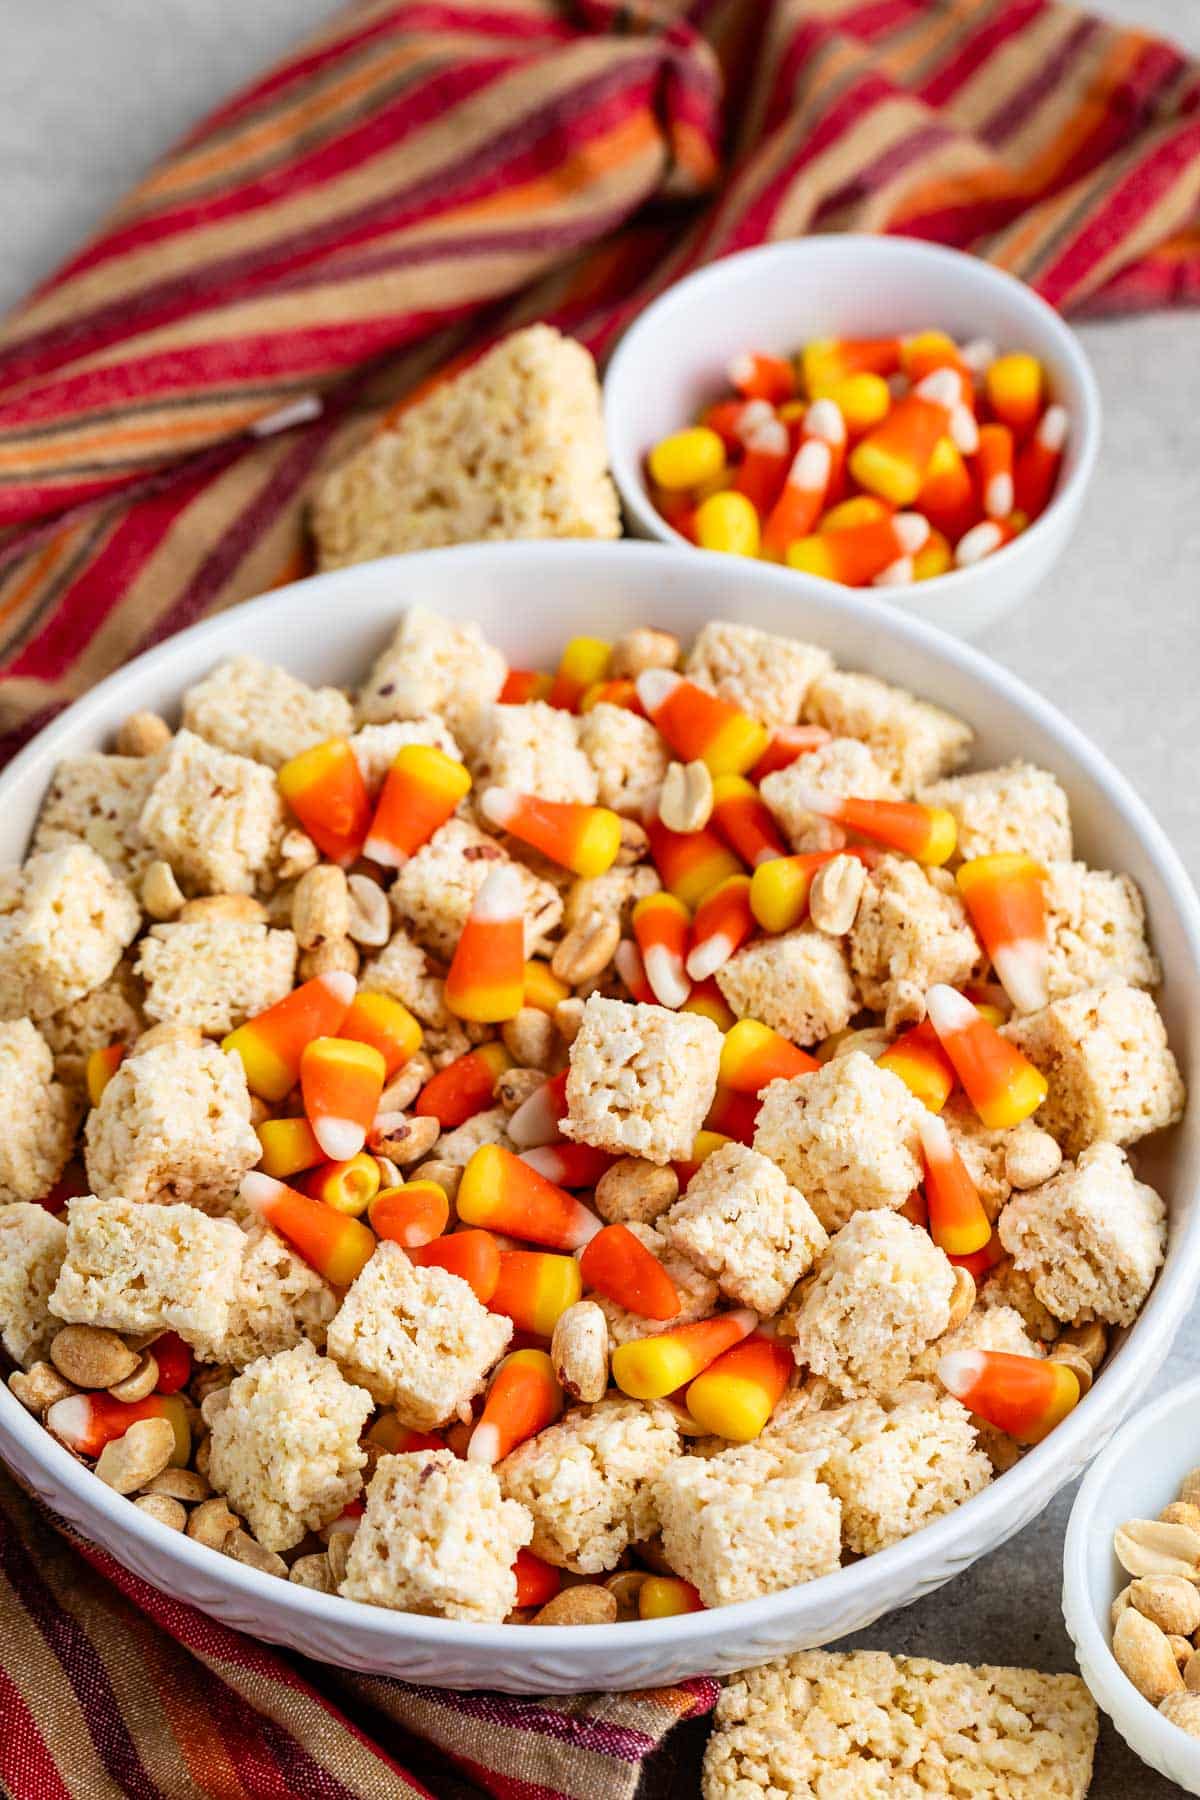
589	1481
64	921
32	1246
1091	1239
277	1301
747	1522
149	1268
97	800
438	1537
417	1339
1096	929
1104	1052
742	1222
40	1117
409	974
841	767
983	1151
911	930
641	1079
533	748
767	676
617	891
845	1135
698	1292
434	891
433	665
1007	1286
799	983
513	447
215	817
488	1127
284	1446
214	973
258	710
861	1725
173	1124
880	1295
627	753
914	741
1018	807
376	747
110	1014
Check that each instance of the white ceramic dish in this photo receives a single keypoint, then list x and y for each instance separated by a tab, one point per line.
529	598
1138	1474
670	363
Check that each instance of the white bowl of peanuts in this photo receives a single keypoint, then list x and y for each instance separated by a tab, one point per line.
327	631
826	455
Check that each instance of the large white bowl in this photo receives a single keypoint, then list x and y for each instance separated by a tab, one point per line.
529	598
670	364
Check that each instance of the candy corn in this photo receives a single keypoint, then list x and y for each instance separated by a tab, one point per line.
722	924
727	521
983	540
667	1597
584	661
568	1165
1013	385
827	361
979	1262
543	989
535	1288
99	1070
1006	899
174	1360
401	1440
928	833
863	399
780	888
537	1581
690	863
734	1115
325	789
521	685
686	459
650	1368
87	1422
611	693
660	926
934	558
745	821
486	978
707	1000
753	1055
765	464
954	389
859	554
524	1398
735	420
958	1223
584	839
929	350
271	1045
340	1082
386	1025
757	376
464	1087
334	1244
1039	462
536	1119
412	1215
474	1256
347	1186
700	726
801	498
891	460
422	789
618	1265
789	742
947	496
1024	1396
628	963
501	1193
922	1065
736	1394
995	467
1001	1084
703	1146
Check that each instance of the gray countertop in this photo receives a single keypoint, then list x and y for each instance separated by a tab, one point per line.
89	95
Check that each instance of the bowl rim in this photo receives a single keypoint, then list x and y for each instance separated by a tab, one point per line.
730	271
1108	1399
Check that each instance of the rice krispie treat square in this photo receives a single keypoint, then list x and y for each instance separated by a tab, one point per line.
533	748
698	1292
845	1135
149	1268
40	1116
800	983
512	447
1105	1055
214	973
627	753
376	747
767	676
217	818
417	1339
914	741
32	1246
64	921
641	1079
1000	811
741	1221
97	800
746	1522
439	1538
433	665
1091	1239
257	709
409	974
1096	930
110	1014
861	1725
1007	1286
589	1481
173	1124
435	890
842	767
284	1448
278	1300
911	930
881	1294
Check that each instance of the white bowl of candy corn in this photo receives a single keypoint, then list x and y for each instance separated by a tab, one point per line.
327	630
875	411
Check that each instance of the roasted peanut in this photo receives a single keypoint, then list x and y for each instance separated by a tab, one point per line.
162	896
370	919
1031	1157
685	801
1150	1547
180	1484
339	954
40	1386
137	1457
321	907
568	1017
635	1190
587	951
212	1522
585	1604
246	1549
579	1351
239	907
142	734
836	891
407	1141
312	1572
1170	1601
642	648
166	1033
297	854
91	1357
404	1087
447	1175
634	843
1182	1709
514	1086
530	1038
168	1512
141	1382
1143	1652
962	1298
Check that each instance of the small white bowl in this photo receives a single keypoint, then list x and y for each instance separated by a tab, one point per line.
1136	1476
671	363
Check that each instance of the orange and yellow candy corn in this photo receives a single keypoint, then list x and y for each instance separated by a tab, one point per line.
700	726
660	926
947	497
761	473
543	989
288	1147
523	1399
1006	899
1024	1396
652	1367
386	1025
667	1597
348	1187
722	924
464	1087
736	1394
421	791
619	1266
958	1223
401	1440
486	978
87	1422
411	1215
753	1055
804	493
922	1065
984	540
501	1193
788	742
537	1581
707	1000
271	1045
622	692
99	1070
536	1120
857	555
779	889
522	685
928	833
474	1256
1001	1084
704	1145
689	863
340	1082
758	376
891	460
980	1262
1039	462
325	789
568	1165
745	821
584	839
335	1245
535	1288
628	963
824	362
734	1115
1013	385
995	466
584	662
